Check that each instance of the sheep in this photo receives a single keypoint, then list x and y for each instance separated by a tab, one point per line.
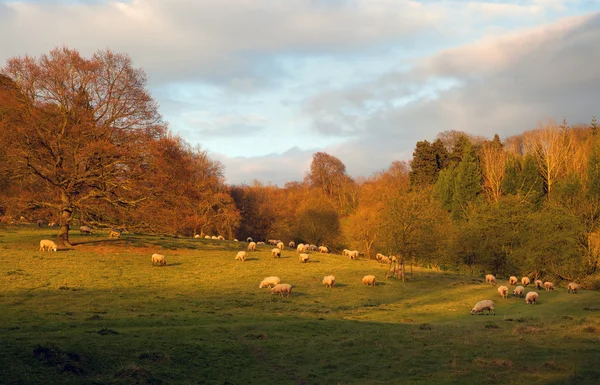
490	279
306	248
379	256
572	287
159	259
260	243
532	297
47	245
480	306
312	248
539	284
303	258
241	255
196	236
329	281
369	280
323	249
292	245
214	237
251	246
300	247
282	288
114	234
503	291
386	259
207	237
85	230
276	252
549	286
220	238
249	239
525	281
513	280
269	281
345	252
353	254
280	245
519	291
272	242
235	240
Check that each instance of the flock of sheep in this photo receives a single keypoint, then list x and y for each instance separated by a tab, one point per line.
530	298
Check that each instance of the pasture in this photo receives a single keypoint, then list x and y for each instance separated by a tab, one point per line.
102	314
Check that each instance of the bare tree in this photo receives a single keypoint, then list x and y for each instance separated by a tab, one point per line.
493	167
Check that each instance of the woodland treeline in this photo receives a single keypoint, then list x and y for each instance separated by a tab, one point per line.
82	142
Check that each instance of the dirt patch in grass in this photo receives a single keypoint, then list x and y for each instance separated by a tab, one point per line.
68	362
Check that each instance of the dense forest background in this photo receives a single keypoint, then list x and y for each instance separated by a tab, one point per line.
82	142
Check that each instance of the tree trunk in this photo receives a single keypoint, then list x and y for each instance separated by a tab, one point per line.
66	216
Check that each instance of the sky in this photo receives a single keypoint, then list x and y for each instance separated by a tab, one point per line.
262	85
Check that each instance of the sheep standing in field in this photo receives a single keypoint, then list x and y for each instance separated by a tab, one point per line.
513	280
519	291
114	234
345	252
532	297
353	254
269	281
490	279
207	237
329	281
369	280
85	230
300	247
241	255
549	286
276	252
303	258
480	306
260	243
214	237
251	246
159	259
323	249
220	238
292	245
385	259
572	287
379	256
503	291
525	281
539	284
280	245
196	236
47	245
282	288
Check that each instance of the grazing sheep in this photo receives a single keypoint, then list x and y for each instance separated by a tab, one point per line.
386	259
220	238
260	243
525	281
249	239
532	297
513	280
329	281
280	245
269	281
480	306
85	230
276	252
519	291
300	247
235	240
207	237
196	236
159	259
282	288
490	279
312	248
369	280
549	286
353	254
323	249
303	258
379	256
539	284
241	255
47	245
251	246
306	248
503	291
345	252
292	245
272	242
572	287
214	237
114	234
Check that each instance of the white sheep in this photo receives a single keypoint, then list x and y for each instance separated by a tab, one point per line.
513	280
280	245
345	252
532	297
269	281
47	245
572	287
353	254
329	281
260	243
252	246
159	259
490	279
539	284
503	291
300	247
282	288
196	236
519	291
276	252
235	240
214	237
480	306
114	234
549	286
303	258
525	281
292	245
306	248
241	255
385	259
323	249
85	230
369	280
220	238
207	237
312	248
379	256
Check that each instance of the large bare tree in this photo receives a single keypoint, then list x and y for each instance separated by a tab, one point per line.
493	167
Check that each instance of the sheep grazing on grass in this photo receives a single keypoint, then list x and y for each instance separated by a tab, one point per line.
369	280
303	258
385	259
276	253
214	237
282	288
260	243
251	246
490	279
292	245
346	253
235	240
159	259
196	236
85	230
519	291
269	281
572	287
300	247
353	254
379	256
207	237
241	255
549	286
329	281
480	306
280	245
525	281
47	245
114	234
513	280
220	238
539	284
503	291
532	297
323	249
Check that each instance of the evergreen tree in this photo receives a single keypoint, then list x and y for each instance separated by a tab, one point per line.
424	169
467	183
444	187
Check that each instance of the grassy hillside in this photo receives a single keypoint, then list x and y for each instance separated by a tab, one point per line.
102	314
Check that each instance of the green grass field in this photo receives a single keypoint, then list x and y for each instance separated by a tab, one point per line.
102	314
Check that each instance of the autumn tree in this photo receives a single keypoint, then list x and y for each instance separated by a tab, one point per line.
83	129
328	174
493	167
